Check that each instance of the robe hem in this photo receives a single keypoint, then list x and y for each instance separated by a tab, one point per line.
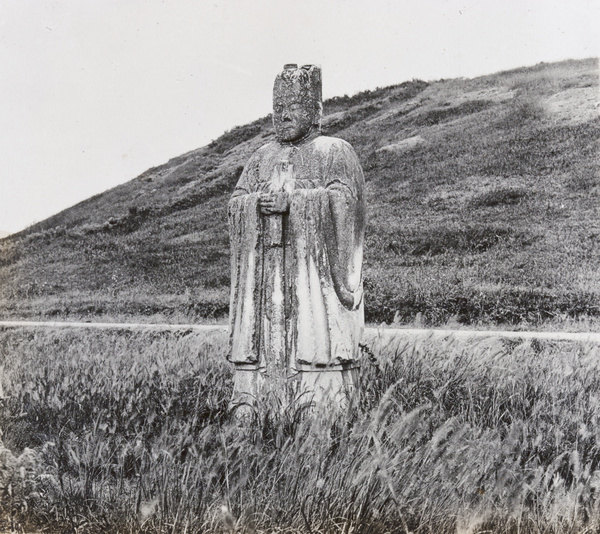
247	366
300	367
321	368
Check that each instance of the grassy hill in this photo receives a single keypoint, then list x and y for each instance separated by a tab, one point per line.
483	209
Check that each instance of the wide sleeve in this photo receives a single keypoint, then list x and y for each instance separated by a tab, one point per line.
246	266
332	214
248	181
344	183
326	229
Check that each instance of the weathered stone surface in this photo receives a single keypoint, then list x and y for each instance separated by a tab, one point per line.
297	220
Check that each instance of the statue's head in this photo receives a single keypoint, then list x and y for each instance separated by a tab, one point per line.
297	104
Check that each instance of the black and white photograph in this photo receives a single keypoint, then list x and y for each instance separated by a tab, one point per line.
299	267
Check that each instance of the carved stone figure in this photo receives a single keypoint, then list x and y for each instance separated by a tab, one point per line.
297	222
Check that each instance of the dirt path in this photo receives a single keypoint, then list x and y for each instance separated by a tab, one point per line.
385	334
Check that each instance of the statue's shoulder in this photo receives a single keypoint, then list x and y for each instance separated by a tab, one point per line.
324	143
264	150
269	148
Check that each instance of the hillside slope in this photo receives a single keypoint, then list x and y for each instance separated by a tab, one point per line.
483	208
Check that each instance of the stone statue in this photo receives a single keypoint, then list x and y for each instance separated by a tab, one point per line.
297	222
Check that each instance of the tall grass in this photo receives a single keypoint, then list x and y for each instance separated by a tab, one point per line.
130	433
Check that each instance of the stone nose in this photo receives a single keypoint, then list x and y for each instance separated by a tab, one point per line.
285	115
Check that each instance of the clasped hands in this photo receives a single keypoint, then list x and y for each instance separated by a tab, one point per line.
273	203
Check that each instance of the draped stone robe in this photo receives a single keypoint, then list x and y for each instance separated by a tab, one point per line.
296	279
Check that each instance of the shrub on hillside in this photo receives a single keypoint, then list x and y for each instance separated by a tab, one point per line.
436	116
443	239
522	109
499	196
351	117
585	179
399	93
237	135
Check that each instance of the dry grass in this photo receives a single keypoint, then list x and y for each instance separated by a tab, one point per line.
130	433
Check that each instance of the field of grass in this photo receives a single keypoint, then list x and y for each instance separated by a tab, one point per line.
482	210
129	432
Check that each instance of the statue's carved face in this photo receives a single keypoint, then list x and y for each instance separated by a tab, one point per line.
293	117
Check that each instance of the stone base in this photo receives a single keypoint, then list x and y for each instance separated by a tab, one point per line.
247	385
328	388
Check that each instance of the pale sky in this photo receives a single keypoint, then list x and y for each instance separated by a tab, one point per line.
94	92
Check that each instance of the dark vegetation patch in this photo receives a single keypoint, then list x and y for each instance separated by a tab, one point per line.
351	117
585	179
223	183
237	135
498	197
508	306
444	114
443	239
396	93
365	104
520	111
199	310
135	218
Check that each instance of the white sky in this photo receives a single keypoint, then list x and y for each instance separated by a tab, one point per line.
94	92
